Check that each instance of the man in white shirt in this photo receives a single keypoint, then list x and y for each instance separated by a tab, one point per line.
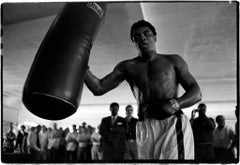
43	143
83	140
96	144
72	144
56	143
223	137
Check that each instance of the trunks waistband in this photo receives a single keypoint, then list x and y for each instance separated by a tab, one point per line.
155	114
206	143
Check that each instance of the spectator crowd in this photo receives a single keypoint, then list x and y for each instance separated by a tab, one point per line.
47	144
214	140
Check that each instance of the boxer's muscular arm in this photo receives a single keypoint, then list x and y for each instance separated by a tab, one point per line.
101	86
192	90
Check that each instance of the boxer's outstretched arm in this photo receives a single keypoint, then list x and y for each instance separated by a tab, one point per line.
101	86
192	93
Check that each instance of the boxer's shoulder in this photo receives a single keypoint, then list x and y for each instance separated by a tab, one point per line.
121	66
174	58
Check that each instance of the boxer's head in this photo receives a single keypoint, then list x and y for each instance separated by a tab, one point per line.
139	24
114	107
143	35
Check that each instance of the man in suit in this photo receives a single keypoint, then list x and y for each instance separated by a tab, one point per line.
113	132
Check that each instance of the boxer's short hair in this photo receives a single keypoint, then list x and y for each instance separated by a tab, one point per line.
142	23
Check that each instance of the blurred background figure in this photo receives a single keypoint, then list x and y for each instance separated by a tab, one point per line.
223	141
203	127
72	145
131	151
44	143
50	144
34	143
62	145
8	146
96	144
237	131
89	144
84	125
56	135
83	140
19	139
24	142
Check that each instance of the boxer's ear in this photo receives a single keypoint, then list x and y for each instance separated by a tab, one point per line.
133	40
155	38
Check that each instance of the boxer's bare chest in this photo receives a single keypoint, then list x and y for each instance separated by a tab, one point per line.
155	79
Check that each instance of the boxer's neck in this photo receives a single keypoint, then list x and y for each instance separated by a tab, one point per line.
148	56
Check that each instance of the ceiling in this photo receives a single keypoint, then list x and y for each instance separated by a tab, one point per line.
19	12
203	33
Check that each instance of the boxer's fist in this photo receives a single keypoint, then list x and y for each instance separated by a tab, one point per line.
170	106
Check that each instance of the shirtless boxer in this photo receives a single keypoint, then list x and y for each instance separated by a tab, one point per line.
163	131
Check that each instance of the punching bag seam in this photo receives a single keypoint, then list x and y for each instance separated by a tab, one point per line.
57	97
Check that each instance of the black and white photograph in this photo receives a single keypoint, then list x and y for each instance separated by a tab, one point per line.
120	82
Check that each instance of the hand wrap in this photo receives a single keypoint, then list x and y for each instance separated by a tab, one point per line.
175	105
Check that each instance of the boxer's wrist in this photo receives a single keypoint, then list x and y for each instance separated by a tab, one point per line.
175	105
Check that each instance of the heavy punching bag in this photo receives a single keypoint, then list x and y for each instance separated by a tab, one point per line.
53	87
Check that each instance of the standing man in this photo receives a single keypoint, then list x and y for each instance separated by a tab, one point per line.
72	145
154	80
56	135
83	140
131	143
44	143
9	141
203	127
113	132
223	141
96	144
34	143
24	143
19	138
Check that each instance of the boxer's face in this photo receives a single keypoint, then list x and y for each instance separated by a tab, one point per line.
144	38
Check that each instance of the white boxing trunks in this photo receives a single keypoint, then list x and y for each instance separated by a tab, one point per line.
167	139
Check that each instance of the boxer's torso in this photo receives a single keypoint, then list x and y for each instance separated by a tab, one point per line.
151	81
